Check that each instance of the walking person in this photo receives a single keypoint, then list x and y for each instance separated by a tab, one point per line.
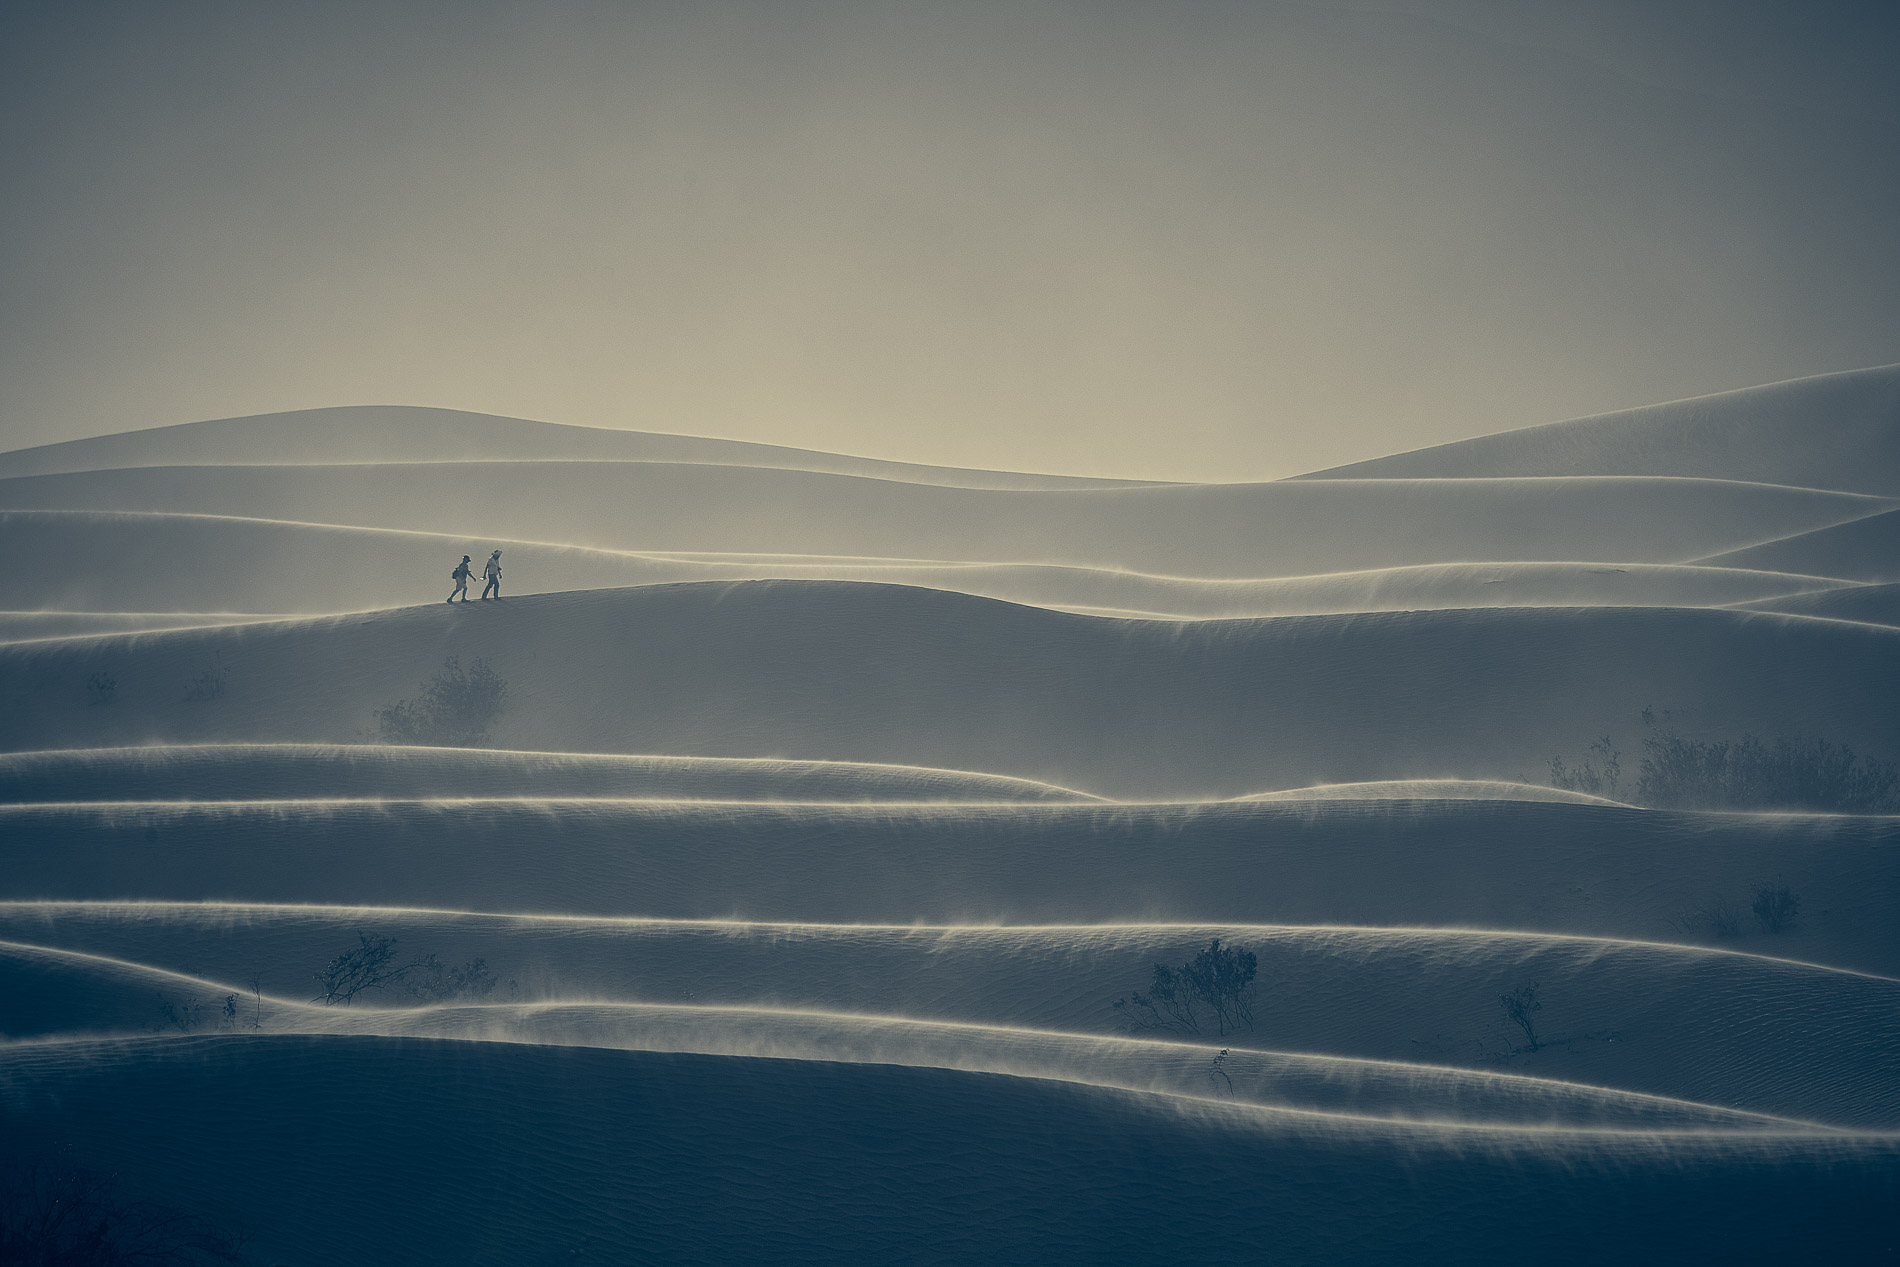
460	576
493	573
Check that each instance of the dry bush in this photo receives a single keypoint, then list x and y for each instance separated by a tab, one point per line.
1216	985
455	708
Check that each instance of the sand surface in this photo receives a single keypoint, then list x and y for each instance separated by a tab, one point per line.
833	803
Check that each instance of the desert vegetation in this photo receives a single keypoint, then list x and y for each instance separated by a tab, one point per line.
454	710
1772	907
1215	987
1521	1007
373	964
101	688
1747	773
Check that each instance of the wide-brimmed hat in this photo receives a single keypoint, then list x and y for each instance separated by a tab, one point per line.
465	558
497	552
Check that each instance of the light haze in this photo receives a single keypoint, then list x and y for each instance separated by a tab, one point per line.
1199	241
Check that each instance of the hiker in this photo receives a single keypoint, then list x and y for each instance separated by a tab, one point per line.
493	573
460	576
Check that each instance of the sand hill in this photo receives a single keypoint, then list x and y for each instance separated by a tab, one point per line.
777	905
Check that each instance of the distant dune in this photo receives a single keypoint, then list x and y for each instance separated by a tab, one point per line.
1838	431
380	434
1224	531
1873	604
1861	550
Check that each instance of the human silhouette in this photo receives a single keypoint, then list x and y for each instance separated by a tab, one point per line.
493	573
460	576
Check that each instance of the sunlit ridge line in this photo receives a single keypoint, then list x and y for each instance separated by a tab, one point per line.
1684	948
813	763
577	800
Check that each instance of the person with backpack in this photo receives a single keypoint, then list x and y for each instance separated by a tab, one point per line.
460	576
493	573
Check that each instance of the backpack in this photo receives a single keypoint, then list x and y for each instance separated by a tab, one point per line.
458	573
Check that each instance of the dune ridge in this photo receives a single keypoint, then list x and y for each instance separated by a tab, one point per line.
831	803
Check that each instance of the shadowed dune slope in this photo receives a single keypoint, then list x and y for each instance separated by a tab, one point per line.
374	434
1838	431
1731	1031
1866	550
81	562
1235	530
533	1153
854	672
1577	869
68	995
317	771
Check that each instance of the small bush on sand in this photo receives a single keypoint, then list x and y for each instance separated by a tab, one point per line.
101	688
1747	773
1751	774
208	685
1599	774
373	964
1521	1007
1217	986
1775	906
454	710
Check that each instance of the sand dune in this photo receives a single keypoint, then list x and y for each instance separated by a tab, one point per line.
378	434
1729	1030
1866	550
1580	869
833	802
841	672
1837	431
1219	531
94	564
64	994
1869	604
695	1158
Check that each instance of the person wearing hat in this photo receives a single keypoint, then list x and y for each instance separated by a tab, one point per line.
493	573
460	576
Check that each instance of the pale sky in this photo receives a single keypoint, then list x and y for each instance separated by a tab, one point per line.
1185	240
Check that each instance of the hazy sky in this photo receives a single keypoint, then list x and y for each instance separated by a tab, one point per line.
1188	240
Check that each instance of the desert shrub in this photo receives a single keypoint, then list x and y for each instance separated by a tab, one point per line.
433	981
1747	773
372	964
1752	774
101	688
454	710
183	1015
1599	774
1217	1073
56	1213
1521	1006
1216	985
1775	906
369	965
